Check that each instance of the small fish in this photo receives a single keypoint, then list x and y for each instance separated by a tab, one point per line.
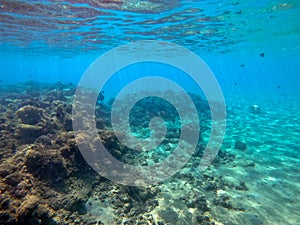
242	65
278	86
235	84
262	54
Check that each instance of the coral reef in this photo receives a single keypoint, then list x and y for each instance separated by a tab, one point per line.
45	180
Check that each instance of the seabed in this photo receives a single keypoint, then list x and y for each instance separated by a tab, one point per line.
255	179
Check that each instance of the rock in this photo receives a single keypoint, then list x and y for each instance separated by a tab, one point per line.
44	140
202	219
29	133
249	164
224	202
200	203
242	187
139	194
25	210
55	95
255	109
240	145
6	169
13	179
169	215
256	221
211	186
29	115
68	124
5	218
33	161
48	165
4	204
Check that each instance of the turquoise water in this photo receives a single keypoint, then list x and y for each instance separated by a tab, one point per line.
251	47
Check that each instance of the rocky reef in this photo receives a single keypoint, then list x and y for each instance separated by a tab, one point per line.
45	180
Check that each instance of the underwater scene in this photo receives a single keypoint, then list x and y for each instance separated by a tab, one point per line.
139	112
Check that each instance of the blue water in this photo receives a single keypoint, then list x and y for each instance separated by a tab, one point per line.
225	34
251	47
